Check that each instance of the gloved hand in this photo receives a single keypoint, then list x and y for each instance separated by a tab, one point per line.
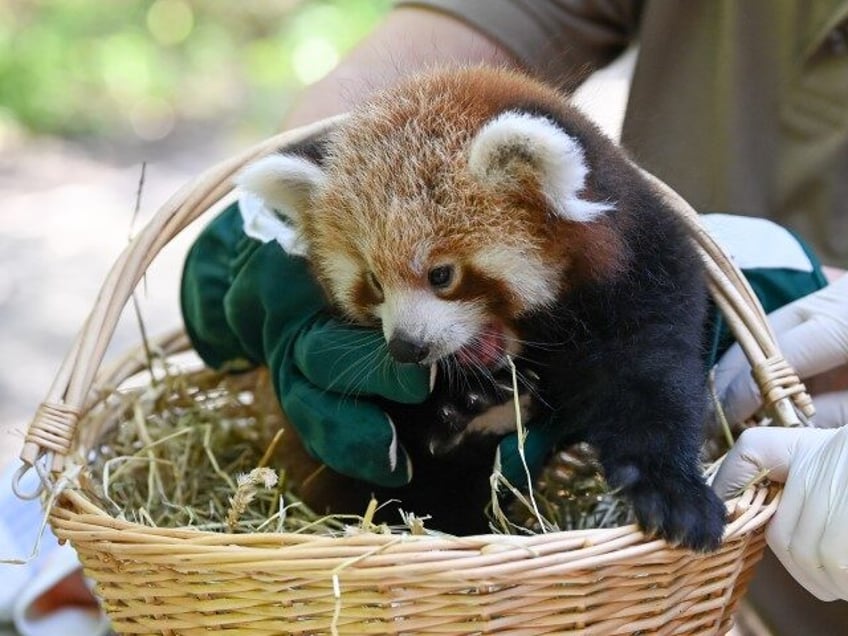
807	532
248	302
543	435
812	333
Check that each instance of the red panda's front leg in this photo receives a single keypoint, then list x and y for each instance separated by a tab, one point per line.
646	423
451	440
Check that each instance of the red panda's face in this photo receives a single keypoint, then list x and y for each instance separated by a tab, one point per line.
433	294
441	226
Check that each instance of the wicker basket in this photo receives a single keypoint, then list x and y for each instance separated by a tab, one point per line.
184	581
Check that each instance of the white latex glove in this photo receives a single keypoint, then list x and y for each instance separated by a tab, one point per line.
812	333
808	530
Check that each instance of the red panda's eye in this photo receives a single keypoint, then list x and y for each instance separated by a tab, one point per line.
441	276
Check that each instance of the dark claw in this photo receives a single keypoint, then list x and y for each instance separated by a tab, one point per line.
455	410
476	403
447	414
678	507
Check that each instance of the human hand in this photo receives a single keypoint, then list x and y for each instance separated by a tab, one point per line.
812	333
807	532
248	301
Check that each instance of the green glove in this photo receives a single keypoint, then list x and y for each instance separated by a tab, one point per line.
543	435
248	302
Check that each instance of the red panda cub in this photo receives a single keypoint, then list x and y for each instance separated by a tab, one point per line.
473	214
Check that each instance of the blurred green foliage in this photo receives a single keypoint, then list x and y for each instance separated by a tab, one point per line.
102	67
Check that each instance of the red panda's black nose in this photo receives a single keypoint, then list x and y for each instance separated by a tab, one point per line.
404	349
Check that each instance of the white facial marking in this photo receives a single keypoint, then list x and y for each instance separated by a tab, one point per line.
344	273
557	157
444	325
527	276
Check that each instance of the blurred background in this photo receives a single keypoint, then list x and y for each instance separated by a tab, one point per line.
144	71
90	91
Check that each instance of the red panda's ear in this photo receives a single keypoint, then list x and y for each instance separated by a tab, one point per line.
285	183
516	141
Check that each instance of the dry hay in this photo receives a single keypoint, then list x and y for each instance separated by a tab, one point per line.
194	450
191	451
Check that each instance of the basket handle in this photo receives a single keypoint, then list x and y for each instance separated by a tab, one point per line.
783	393
52	430
50	434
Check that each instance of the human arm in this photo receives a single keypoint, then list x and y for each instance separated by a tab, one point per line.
563	41
409	39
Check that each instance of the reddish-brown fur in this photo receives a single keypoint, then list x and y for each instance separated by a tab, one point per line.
398	170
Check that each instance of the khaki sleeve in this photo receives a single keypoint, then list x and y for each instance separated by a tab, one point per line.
561	40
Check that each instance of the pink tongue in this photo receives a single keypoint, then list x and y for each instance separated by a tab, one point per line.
486	348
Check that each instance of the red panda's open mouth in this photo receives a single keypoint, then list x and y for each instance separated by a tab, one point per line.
486	349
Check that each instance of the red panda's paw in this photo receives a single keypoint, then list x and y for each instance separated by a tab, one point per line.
486	407
674	505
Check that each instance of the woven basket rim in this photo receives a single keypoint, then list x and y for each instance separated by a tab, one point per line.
747	511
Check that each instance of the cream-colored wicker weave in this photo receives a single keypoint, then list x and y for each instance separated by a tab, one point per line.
184	581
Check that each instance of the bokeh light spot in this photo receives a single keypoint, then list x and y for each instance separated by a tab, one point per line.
170	21
313	58
152	119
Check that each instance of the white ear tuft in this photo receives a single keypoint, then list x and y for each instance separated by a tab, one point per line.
514	139
284	182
